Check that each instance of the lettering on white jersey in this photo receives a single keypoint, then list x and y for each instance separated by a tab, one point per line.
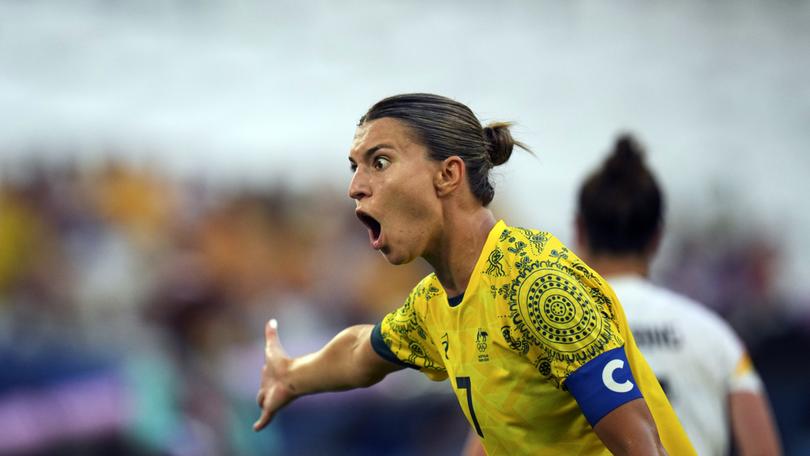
664	337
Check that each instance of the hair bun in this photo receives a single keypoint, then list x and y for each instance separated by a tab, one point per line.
499	142
627	157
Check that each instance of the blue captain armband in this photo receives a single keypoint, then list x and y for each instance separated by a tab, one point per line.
603	384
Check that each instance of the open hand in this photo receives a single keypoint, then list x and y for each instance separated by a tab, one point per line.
274	393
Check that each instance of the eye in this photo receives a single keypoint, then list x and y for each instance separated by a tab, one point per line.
380	163
353	167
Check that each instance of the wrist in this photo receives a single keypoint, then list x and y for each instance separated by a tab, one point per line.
290	379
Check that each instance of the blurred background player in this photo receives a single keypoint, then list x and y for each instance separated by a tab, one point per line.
534	343
701	364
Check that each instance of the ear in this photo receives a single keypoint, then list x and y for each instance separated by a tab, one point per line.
449	176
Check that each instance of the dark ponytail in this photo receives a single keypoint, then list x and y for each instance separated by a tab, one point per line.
499	142
621	204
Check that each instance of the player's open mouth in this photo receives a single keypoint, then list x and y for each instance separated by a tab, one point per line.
374	229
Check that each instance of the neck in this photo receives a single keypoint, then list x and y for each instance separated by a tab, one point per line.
457	251
609	265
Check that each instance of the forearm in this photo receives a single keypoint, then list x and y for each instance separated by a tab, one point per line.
630	430
346	362
641	444
754	429
642	447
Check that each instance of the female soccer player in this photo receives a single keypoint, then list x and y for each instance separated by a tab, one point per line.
699	360
534	343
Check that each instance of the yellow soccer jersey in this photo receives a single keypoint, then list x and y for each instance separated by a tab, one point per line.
532	315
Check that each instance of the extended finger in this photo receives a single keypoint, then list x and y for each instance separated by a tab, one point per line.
263	420
260	397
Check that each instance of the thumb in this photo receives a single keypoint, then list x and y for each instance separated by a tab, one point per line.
271	329
271	336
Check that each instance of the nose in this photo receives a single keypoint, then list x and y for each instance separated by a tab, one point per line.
358	187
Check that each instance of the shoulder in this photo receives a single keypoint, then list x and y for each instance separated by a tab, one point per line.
558	304
422	293
542	256
410	316
643	295
519	238
690	308
518	246
427	288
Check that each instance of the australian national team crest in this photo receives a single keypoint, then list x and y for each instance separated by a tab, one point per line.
481	344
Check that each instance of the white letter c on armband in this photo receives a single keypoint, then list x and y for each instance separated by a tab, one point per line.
607	377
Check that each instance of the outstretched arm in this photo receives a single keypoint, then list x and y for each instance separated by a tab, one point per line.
347	361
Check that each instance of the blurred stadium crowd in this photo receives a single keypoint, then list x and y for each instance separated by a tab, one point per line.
132	307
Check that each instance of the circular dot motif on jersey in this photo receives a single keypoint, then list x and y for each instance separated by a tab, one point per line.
557	310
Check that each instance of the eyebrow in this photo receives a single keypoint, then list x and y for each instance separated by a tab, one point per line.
371	151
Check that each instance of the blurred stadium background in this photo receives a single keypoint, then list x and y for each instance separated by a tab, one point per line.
173	173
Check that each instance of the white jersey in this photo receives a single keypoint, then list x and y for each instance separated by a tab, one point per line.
696	356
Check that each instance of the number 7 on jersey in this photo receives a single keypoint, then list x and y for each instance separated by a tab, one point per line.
464	383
